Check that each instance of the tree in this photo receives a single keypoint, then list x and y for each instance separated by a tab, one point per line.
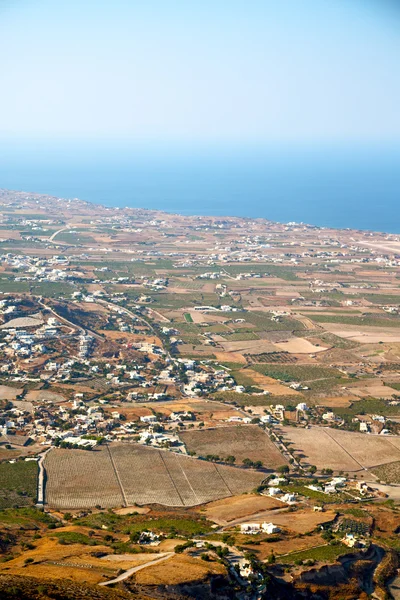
312	469
283	469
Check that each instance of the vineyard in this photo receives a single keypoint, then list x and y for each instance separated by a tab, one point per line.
123	474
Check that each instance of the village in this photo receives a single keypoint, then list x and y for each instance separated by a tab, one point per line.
230	392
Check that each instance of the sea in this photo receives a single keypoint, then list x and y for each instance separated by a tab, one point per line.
353	186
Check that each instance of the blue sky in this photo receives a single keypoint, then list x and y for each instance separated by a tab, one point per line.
201	70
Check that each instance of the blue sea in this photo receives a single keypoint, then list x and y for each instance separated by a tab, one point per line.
334	186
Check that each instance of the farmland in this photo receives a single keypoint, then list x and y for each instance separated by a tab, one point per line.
127	474
237	507
389	473
242	442
341	450
18	483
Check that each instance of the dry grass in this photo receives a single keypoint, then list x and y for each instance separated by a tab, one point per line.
230	509
178	570
302	521
247	441
300	346
230	357
9	393
342	450
49	551
270	384
337	401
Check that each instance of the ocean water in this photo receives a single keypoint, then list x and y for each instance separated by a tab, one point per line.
340	186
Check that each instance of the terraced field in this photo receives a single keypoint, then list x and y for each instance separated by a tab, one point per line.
125	474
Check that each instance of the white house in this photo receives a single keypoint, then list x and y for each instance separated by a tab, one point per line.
270	528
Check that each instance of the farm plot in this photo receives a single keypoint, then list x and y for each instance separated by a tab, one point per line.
300	346
81	479
151	476
9	393
128	474
364	334
302	521
225	511
242	442
389	473
269	384
342	450
368	450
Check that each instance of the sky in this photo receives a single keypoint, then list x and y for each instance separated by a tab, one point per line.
200	70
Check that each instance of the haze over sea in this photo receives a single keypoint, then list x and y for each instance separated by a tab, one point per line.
337	186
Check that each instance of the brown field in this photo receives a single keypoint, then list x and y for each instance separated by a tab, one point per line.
9	393
363	334
338	401
44	395
299	346
230	357
301	521
270	384
248	441
370	452
203	408
374	388
230	509
248	346
342	450
130	337
125	475
53	560
177	570
133	413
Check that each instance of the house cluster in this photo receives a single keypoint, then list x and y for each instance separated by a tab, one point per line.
334	486
39	269
254	528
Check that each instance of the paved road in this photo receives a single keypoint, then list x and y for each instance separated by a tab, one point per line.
130	572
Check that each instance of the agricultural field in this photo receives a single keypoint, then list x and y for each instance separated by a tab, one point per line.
341	450
122	475
81	479
178	570
225	511
240	441
389	473
18	483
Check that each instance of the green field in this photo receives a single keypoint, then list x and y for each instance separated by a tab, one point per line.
137	523
18	483
300	373
368	406
251	400
368	320
328	553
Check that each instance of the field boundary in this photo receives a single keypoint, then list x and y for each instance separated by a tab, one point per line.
117	476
